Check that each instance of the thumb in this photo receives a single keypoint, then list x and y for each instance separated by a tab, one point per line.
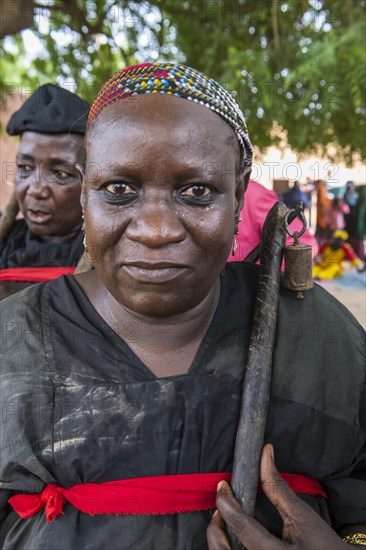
274	486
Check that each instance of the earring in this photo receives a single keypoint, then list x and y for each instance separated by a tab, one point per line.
84	240
83	230
234	246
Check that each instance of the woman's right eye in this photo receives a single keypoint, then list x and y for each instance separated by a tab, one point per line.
24	168
119	188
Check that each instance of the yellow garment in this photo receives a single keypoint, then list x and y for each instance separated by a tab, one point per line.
331	265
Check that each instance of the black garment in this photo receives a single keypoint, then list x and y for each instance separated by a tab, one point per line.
80	407
22	248
50	110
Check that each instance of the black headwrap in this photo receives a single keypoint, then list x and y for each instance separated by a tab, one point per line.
50	110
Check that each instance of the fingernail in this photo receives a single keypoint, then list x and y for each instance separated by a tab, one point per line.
271	450
214	515
221	485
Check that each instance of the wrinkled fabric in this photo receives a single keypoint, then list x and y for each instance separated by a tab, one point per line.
23	248
80	407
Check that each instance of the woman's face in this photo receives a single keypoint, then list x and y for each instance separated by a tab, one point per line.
47	183
160	196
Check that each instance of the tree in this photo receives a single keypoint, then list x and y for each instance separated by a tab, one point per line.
296	65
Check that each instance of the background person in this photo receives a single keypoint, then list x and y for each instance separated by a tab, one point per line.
332	256
257	203
48	241
323	203
131	374
294	195
335	215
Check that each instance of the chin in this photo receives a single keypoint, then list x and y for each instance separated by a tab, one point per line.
156	304
39	230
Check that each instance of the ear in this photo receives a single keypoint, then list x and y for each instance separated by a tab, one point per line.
241	186
80	168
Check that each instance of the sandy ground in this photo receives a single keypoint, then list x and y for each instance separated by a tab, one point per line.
355	301
350	289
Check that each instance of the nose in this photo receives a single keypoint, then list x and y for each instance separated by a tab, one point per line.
156	224
38	186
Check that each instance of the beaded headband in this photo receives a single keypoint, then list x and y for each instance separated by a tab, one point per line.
180	81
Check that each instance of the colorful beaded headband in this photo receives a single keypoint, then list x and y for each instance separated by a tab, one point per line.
180	81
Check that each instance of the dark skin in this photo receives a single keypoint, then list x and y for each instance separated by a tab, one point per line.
47	184
159	228
159	224
303	529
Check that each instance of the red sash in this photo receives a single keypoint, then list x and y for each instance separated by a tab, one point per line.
169	494
34	274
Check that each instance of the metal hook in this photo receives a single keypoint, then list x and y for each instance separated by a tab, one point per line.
297	212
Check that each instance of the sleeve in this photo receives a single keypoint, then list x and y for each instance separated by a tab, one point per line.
349	254
319	381
27	400
347	494
346	489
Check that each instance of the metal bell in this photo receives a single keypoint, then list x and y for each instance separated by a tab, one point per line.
298	258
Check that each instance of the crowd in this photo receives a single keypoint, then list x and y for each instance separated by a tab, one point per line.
121	382
340	225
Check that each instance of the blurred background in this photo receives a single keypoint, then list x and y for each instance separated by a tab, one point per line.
297	68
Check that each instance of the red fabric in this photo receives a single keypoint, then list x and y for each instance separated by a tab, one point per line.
168	494
302	484
34	274
349	254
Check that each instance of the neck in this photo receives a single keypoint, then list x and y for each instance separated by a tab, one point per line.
167	334
166	345
60	238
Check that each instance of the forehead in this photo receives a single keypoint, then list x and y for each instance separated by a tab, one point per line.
161	122
68	147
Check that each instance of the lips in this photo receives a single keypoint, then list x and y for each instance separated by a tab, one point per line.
160	272
38	216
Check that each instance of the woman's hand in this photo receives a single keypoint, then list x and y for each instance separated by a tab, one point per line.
302	527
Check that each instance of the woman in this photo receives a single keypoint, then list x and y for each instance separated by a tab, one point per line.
135	370
47	242
323	203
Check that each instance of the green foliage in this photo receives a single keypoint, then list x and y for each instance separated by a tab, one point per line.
296	64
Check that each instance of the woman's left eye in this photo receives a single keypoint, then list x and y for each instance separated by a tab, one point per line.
62	174
120	189
197	191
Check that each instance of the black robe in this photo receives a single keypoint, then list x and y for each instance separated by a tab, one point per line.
79	407
23	248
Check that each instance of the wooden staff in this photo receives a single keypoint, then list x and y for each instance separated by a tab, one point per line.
257	380
8	217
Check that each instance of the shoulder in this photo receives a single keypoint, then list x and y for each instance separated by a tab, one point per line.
27	359
21	313
241	276
320	354
319	305
23	300
25	322
322	319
